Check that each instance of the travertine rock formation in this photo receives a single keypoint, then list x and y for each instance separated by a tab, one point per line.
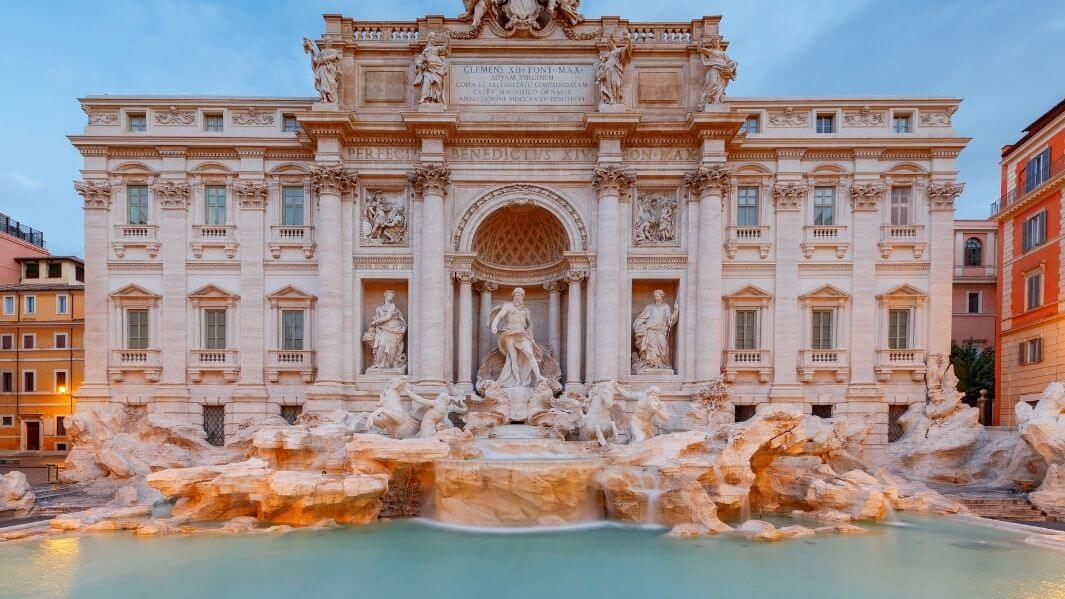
1043	428
16	494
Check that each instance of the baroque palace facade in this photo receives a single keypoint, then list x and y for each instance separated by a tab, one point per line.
239	250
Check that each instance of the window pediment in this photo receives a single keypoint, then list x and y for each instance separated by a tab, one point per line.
212	295
904	294
826	295
750	295
133	296
290	296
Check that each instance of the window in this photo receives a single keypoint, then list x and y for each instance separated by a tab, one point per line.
214	424
9	305
29	341
823	330
61	446
1034	233
8	421
7	342
826	123
33	270
292	206
61	341
214	329
744	413
973	302
822	411
137	204
1033	291
62	303
1031	351
7	382
55	270
29	304
291	413
746	329
79	273
212	122
974	252
289	124
137	121
136	329
900	205
29	381
747	207
903	123
60	428
1037	170
751	125
292	330
899	329
825	206
60	383
215	210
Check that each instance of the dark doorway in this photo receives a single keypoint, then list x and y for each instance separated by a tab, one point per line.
33	435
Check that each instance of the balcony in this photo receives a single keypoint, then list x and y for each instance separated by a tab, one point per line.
748	237
301	238
214	236
759	361
145	361
890	361
12	227
812	361
902	236
825	236
1052	175
136	236
223	361
301	362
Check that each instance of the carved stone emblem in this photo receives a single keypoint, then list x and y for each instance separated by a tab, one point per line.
384	218
937	118
521	16
654	219
175	117
253	117
788	118
865	117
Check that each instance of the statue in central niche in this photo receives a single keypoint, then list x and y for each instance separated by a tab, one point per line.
513	323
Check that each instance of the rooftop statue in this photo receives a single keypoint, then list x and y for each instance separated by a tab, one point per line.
522	15
326	66
720	71
610	72
431	66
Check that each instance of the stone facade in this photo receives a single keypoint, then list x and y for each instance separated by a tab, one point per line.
517	171
975	282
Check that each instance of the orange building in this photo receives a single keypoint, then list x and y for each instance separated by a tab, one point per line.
42	320
17	241
1031	346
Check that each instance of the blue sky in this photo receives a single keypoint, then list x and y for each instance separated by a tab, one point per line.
1005	58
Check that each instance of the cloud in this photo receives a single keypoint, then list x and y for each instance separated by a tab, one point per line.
19	181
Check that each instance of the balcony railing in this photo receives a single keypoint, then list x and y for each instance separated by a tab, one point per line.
289	360
1023	190
824	360
136	235
225	361
284	236
14	228
900	360
911	236
219	236
146	361
825	236
748	360
748	236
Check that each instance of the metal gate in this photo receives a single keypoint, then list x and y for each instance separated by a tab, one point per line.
894	428
214	424
291	413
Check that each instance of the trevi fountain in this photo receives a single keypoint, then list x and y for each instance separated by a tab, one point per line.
538	470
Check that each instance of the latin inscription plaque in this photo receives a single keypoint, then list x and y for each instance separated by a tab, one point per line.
522	84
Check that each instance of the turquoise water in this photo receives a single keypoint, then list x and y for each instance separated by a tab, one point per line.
933	558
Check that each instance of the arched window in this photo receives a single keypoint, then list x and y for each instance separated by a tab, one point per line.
974	252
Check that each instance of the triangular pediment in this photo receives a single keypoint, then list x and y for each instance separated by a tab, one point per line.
750	292
132	291
210	291
826	292
903	291
290	292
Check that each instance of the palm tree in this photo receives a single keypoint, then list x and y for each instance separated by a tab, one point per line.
975	369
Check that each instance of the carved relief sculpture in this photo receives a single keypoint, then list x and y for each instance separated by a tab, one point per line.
437	414
651	333
387	330
655	220
384	219
253	117
610	72
174	116
431	66
865	117
943	195
789	196
326	66
866	196
521	16
720	71
788	118
940	118
650	409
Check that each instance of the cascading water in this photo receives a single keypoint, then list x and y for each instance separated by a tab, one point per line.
745	509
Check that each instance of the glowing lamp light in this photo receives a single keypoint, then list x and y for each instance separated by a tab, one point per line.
62	388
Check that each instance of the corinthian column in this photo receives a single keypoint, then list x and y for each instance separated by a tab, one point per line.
573	329
465	344
941	197
172	393
97	202
484	336
610	183
332	183
708	184
430	183
554	318
251	198
866	199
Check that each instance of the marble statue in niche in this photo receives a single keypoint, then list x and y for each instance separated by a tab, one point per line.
431	66
513	324
655	220
651	331
610	71
720	71
326	66
385	335
384	219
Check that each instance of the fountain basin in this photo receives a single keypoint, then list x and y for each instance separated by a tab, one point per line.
541	491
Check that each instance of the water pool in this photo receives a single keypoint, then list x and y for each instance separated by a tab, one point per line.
931	558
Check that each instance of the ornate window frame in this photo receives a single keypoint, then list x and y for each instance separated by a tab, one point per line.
913	359
757	237
123	359
302	362
759	360
835	237
282	236
201	360
213	236
837	359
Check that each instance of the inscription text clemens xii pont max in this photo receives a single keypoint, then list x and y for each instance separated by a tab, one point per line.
523	84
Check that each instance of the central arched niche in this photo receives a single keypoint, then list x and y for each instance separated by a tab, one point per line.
521	236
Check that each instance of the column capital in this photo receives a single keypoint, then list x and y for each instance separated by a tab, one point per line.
487	286
332	179
172	195
430	178
709	179
866	197
941	196
463	276
575	277
613	178
96	194
789	196
251	194
552	286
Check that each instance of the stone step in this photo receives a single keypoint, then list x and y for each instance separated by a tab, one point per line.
1011	508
